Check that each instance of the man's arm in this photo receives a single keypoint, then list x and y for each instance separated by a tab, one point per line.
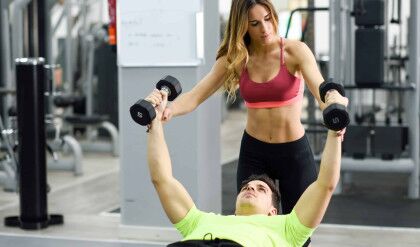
313	203
173	196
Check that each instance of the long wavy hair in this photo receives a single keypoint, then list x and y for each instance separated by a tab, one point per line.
236	40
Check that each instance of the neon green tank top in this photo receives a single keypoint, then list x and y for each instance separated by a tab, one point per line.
249	231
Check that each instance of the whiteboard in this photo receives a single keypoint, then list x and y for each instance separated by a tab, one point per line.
159	33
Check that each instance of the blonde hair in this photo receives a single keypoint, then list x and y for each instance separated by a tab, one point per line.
236	40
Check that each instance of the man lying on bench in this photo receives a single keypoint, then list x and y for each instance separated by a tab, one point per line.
256	221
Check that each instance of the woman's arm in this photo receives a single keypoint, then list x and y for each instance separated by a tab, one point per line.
188	101
303	58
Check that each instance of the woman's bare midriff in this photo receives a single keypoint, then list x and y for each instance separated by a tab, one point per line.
275	125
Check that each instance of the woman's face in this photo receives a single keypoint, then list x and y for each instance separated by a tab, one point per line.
260	25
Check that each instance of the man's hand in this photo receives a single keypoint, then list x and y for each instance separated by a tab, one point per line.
334	97
341	133
159	99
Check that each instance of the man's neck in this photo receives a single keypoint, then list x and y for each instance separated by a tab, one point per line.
247	211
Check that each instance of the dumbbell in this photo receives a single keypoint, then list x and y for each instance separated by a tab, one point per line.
335	115
143	112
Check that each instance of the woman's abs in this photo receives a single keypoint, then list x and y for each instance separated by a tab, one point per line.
275	125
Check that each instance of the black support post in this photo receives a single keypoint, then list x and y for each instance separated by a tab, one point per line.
30	88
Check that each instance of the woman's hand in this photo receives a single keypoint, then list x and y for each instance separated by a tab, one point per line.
167	114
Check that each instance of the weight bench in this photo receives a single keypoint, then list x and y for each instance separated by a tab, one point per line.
63	143
92	124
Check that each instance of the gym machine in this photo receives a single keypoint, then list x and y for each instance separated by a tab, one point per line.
87	121
23	42
392	148
8	162
66	151
8	166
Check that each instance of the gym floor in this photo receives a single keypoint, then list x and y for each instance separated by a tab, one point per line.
362	217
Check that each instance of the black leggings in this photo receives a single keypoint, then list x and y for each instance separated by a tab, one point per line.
292	163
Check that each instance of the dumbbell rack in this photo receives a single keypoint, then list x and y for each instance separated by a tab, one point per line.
342	69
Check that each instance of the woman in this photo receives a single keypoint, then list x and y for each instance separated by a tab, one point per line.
268	70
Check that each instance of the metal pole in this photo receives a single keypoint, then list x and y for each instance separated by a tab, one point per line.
5	56
31	126
413	104
33	29
2	47
84	44
386	41
90	45
335	37
43	19
309	9
68	68
30	85
17	27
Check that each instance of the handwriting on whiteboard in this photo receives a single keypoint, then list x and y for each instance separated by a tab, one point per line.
159	32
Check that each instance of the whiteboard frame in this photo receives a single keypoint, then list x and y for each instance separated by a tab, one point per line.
192	62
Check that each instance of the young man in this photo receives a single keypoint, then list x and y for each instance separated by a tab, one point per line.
256	221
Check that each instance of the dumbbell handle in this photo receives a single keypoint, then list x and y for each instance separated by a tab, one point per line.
164	88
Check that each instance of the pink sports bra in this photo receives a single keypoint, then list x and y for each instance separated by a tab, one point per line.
284	89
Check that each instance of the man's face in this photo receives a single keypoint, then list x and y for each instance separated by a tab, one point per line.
255	198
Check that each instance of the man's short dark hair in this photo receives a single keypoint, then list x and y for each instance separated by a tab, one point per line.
275	198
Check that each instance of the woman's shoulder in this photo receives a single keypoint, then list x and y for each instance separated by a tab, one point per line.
296	50
294	46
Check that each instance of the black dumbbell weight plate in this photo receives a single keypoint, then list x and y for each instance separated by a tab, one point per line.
142	112
173	84
336	117
328	85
